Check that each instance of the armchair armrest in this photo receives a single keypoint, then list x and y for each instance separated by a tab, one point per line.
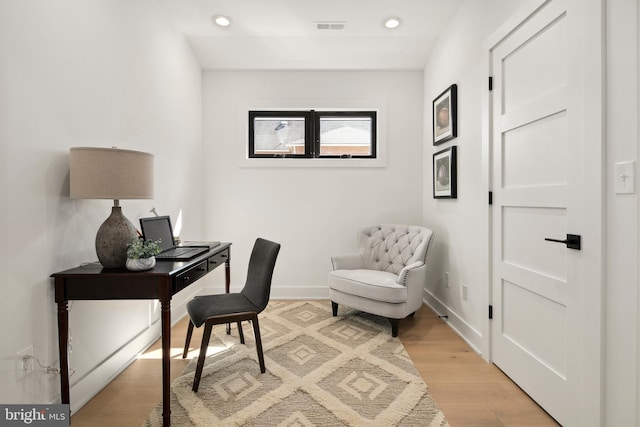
408	271
347	262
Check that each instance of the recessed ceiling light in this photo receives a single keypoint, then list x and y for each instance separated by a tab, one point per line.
392	23
221	20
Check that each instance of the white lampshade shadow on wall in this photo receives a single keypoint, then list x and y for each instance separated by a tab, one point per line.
111	173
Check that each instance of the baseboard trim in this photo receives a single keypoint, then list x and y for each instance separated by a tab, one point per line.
83	389
86	387
469	334
282	292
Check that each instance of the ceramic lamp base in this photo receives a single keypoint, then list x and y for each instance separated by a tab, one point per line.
112	239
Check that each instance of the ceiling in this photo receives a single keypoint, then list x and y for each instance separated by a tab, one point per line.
283	34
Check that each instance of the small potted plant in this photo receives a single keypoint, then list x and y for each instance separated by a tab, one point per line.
141	254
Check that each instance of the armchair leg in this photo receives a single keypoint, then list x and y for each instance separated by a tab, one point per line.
394	327
188	340
334	308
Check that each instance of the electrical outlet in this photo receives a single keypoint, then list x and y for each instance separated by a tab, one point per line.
24	362
465	290
446	279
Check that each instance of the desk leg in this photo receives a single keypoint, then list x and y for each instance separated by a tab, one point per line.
227	275
63	339
227	283
165	304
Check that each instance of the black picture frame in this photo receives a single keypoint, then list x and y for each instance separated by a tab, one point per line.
445	174
445	115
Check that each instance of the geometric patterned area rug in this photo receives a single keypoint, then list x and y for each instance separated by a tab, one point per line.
321	371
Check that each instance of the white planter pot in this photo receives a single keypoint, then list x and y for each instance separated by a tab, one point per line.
141	264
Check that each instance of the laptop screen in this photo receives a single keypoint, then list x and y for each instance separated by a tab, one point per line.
158	228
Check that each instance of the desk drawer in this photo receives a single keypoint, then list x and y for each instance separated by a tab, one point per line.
186	278
218	259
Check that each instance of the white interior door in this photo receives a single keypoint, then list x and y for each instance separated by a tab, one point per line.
538	154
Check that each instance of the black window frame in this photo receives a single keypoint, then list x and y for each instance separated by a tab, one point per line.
312	144
372	144
308	131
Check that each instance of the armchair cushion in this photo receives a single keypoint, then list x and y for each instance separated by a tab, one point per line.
377	285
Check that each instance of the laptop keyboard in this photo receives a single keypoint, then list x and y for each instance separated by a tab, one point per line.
175	252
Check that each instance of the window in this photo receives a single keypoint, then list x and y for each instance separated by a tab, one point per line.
312	134
280	133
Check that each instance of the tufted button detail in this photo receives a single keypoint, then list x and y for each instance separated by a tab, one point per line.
391	247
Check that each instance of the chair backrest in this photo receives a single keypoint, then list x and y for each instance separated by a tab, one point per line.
391	247
261	264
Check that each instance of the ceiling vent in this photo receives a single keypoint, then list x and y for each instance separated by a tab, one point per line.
324	25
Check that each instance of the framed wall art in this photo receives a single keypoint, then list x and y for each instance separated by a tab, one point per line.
445	173
445	115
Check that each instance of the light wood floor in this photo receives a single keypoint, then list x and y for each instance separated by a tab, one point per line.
469	391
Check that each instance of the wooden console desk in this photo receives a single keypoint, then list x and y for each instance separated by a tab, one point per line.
92	282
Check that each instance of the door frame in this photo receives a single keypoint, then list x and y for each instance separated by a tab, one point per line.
588	391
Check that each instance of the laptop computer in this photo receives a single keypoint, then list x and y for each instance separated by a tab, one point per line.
159	228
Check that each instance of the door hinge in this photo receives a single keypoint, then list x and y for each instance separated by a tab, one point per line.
490	83
490	312
490	197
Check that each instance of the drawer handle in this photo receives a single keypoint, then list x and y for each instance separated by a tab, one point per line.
202	269
223	255
186	278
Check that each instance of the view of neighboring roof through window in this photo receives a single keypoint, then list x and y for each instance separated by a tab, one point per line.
345	136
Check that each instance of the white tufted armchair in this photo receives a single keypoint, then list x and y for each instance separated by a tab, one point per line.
388	275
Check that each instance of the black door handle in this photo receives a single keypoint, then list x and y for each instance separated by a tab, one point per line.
573	241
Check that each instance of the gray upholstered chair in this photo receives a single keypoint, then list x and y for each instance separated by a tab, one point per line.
387	277
235	307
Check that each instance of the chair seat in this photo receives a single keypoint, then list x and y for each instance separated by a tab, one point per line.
203	307
372	284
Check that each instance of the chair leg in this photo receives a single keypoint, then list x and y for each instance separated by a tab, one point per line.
256	332
394	327
240	333
188	340
206	335
334	308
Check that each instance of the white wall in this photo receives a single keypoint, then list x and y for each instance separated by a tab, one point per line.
622	357
460	226
104	72
89	73
313	212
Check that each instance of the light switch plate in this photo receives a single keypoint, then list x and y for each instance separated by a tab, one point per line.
625	177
